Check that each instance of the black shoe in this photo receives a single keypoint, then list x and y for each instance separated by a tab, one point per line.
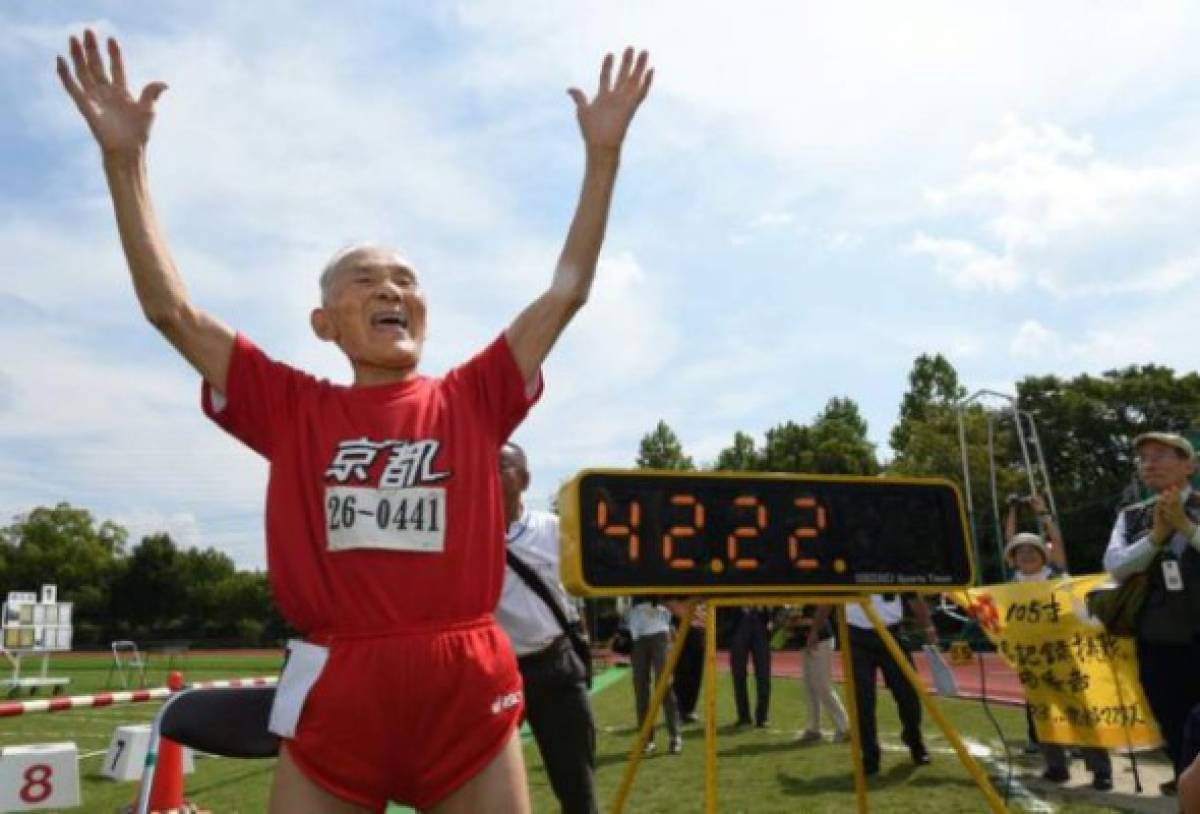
743	722
920	755
1168	789
763	724
1057	775
870	769
1102	782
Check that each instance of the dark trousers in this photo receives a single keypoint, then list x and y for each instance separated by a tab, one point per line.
560	715
1096	758
868	654
689	671
750	639
1170	676
649	662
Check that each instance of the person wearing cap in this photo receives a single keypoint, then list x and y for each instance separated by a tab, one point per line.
1033	558
1161	537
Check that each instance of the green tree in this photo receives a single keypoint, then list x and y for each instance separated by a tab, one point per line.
66	547
150	600
661	449
932	382
741	456
839	441
787	447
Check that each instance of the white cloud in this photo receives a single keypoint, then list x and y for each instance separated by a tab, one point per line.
966	265
1070	221
1034	341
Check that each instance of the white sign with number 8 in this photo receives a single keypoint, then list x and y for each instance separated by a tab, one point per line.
39	776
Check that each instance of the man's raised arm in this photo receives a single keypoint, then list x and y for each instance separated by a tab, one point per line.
603	122
121	126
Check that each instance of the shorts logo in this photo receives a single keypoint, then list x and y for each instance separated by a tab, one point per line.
505	702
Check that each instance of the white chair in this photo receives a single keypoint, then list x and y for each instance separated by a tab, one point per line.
128	663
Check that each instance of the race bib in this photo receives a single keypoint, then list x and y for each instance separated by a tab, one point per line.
400	519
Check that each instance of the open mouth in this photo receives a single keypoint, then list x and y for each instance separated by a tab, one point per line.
390	321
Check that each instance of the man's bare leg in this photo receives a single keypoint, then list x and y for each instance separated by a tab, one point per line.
499	788
293	793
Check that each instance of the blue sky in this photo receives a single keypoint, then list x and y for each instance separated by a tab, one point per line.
813	195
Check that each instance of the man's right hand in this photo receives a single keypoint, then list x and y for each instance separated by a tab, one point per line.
1164	525
120	123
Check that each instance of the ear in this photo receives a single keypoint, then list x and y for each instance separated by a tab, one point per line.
322	325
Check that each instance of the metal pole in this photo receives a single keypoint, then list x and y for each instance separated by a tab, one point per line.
995	495
710	709
966	464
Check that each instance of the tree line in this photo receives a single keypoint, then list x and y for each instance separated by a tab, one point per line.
1085	426
154	591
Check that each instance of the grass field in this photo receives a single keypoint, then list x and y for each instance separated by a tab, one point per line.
759	770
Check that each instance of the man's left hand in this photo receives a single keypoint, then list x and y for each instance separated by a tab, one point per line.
1173	513
604	120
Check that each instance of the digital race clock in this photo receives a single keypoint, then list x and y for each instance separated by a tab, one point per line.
689	533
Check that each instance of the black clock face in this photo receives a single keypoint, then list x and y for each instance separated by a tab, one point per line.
721	533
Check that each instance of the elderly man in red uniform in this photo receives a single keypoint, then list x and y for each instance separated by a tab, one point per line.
384	518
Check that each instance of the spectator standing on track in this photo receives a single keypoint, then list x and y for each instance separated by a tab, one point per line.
650	628
1033	558
818	684
556	694
869	654
751	640
689	670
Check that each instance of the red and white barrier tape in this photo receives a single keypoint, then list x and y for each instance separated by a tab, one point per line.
259	681
10	709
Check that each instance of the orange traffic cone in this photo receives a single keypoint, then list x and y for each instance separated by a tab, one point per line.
166	773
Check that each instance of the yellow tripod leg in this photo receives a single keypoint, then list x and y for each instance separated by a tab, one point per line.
977	774
710	709
856	751
662	682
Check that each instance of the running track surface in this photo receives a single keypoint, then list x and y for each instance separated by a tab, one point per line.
998	678
1001	680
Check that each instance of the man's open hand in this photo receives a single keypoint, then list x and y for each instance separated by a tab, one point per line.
120	123
604	120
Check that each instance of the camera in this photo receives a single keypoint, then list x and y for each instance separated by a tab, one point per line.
1019	500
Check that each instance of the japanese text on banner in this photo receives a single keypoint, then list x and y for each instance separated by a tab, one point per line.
1080	681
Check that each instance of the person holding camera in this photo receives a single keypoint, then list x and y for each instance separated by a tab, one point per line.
1033	558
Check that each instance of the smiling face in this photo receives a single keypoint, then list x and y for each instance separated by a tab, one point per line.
1027	559
374	309
1162	466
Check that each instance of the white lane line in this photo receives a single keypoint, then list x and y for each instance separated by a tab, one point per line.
996	767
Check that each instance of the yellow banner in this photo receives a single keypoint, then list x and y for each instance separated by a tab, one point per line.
1081	682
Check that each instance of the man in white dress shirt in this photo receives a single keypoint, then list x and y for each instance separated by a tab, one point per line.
556	694
868	653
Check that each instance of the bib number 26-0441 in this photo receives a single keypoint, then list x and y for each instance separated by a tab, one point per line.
411	519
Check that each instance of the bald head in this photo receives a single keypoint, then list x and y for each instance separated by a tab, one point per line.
354	256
